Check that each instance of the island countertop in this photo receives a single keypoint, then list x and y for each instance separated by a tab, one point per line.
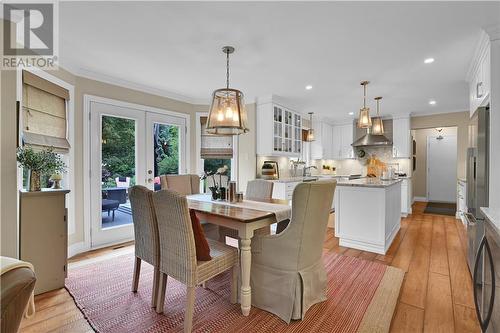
368	182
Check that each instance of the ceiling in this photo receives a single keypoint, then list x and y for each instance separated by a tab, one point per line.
175	49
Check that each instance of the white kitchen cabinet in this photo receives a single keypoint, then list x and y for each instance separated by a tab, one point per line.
332	142
284	190
346	140
480	77
401	138
461	199
321	147
279	130
406	197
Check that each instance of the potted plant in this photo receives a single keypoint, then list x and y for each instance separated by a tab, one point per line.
38	163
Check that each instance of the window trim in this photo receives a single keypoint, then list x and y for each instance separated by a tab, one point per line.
70	136
199	160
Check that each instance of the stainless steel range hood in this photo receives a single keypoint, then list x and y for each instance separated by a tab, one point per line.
372	140
366	139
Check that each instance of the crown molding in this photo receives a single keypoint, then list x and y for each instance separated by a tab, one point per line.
482	47
434	113
493	32
91	75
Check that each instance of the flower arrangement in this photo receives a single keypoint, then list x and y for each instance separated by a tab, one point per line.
217	189
38	163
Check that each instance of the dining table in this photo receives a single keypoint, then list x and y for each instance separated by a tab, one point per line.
245	217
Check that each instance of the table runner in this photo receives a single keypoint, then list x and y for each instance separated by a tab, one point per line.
282	212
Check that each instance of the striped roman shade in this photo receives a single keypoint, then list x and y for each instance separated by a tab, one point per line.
215	146
44	113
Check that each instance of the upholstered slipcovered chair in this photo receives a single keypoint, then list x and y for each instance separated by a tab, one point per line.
256	189
147	244
17	282
178	252
288	275
183	184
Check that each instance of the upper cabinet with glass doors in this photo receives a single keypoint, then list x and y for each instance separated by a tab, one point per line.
279	130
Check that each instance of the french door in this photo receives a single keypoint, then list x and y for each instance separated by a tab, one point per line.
129	147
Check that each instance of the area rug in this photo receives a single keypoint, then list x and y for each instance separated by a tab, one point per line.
362	296
441	208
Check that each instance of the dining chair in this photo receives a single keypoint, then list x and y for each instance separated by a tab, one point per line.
178	253
189	184
183	184
294	256
147	245
259	189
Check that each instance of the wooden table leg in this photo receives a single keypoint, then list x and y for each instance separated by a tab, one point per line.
246	262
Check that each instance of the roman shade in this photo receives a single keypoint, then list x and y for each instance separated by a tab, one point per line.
215	146
44	113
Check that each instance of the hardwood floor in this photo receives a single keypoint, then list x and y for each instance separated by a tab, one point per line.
436	295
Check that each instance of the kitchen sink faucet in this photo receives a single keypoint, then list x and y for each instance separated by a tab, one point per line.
307	170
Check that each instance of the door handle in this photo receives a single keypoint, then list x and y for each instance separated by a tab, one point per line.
484	323
150	180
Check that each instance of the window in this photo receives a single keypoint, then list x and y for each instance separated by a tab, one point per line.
216	151
44	117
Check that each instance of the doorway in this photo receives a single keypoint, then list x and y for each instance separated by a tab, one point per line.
128	146
442	168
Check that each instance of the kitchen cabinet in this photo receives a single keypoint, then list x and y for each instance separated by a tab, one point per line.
406	197
401	138
321	147
480	77
346	140
279	130
461	200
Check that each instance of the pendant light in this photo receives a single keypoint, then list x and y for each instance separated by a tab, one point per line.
310	131
227	114
377	123
364	120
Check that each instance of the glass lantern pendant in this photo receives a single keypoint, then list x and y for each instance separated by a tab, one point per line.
227	114
364	119
310	131
377	123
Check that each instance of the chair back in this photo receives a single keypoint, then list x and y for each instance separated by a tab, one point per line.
122	182
147	245
311	204
183	184
259	189
177	248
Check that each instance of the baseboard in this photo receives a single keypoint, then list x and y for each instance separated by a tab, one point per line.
423	199
77	248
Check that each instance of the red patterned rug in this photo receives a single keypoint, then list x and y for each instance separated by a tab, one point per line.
362	296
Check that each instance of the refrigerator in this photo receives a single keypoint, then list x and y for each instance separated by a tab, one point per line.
477	181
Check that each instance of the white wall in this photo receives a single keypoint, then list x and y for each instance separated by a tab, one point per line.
494	194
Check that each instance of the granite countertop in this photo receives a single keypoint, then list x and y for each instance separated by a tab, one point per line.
493	216
368	182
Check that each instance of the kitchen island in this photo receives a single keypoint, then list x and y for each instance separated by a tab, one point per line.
367	213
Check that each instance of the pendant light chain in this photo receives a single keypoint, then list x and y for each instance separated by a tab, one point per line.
227	69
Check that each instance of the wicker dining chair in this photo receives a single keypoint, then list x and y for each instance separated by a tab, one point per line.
189	184
147	245
256	189
178	253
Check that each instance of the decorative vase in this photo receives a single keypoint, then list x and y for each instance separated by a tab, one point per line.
34	181
215	192
56	181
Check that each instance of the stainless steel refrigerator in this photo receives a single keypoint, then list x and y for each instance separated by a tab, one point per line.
477	196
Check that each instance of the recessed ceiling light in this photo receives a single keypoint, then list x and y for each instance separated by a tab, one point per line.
309	87
432	102
351	113
429	61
